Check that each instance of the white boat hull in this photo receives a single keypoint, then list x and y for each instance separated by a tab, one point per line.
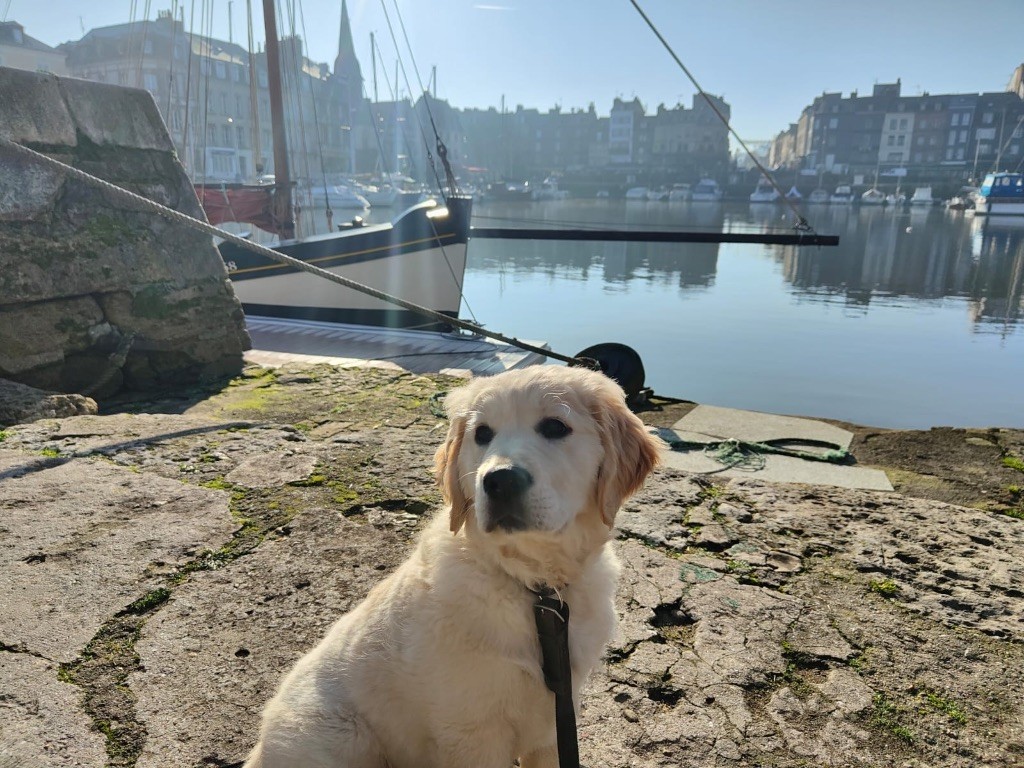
985	207
420	277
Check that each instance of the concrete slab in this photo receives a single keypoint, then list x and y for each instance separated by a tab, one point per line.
755	426
83	539
709	424
780	469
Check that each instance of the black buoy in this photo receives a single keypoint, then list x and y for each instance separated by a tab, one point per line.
623	364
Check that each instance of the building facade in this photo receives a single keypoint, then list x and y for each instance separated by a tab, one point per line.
951	138
20	51
215	100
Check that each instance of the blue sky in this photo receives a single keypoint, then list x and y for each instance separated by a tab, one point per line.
768	58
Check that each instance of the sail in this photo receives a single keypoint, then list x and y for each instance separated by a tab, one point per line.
238	202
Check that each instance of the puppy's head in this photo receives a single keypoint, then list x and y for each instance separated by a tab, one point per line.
536	449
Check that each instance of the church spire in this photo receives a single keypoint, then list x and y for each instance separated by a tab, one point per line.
346	50
346	66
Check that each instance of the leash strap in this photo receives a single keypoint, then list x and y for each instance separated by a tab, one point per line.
552	617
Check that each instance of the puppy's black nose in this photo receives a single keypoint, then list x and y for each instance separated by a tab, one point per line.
507	483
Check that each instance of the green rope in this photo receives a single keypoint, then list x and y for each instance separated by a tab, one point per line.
749	456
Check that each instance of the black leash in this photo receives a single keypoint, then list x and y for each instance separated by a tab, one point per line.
552	616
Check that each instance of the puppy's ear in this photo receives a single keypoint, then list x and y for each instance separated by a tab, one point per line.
446	468
630	453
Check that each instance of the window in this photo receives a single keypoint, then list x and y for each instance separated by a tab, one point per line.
892	124
1015	149
236	74
987	118
833	122
965	118
147	46
899	140
222	70
243	137
955	120
903	124
952	137
892	140
963	137
149	81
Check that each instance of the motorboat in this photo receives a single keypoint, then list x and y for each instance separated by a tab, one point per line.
680	193
706	191
818	197
339	197
765	192
509	191
873	197
842	196
1001	194
548	190
922	196
636	193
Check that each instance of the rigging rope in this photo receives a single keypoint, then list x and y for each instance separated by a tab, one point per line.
801	223
190	159
269	253
319	142
254	106
408	85
442	150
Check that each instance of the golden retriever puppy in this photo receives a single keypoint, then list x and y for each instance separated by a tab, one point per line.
440	665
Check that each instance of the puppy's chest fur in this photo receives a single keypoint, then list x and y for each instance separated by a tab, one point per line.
468	634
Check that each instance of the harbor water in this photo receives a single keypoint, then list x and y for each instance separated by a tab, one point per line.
915	320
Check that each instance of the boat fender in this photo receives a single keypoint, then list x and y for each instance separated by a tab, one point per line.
623	364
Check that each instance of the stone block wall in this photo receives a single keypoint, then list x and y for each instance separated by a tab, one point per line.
97	295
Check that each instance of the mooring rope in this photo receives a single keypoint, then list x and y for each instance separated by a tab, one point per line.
269	253
801	223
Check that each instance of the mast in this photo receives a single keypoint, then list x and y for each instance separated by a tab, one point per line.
282	177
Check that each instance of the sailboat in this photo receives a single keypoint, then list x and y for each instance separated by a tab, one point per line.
420	256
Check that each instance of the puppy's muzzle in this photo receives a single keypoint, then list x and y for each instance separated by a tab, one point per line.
506	489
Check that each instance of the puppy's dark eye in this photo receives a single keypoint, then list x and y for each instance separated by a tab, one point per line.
553	429
483	435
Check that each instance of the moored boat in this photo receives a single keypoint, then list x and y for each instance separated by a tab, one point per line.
818	196
1001	194
420	257
922	196
842	196
548	190
680	193
873	197
764	192
339	197
706	191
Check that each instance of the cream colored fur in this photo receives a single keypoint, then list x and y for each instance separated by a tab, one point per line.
439	667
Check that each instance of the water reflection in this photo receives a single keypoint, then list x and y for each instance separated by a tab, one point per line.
885	256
